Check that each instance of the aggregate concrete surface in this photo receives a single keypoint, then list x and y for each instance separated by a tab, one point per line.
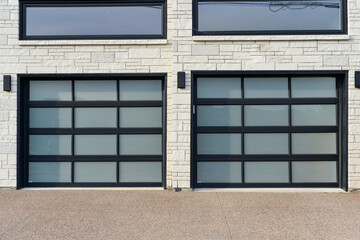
108	214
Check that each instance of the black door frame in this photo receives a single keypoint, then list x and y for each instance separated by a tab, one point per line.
341	76
22	121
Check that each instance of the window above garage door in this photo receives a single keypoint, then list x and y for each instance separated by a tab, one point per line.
92	130
267	130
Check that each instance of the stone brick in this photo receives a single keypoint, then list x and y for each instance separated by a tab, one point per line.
207	50
144	53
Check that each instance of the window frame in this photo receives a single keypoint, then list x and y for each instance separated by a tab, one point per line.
23	4
196	32
341	126
24	131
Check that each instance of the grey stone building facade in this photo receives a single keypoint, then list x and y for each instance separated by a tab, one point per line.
269	98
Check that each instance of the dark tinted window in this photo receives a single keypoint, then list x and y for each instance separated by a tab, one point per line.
93	21
245	16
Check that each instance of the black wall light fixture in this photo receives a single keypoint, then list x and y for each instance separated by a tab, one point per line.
357	79
7	83
181	79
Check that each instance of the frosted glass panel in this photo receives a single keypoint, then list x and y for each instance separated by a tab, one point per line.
147	144
140	171
141	90
219	87
50	118
266	172
266	87
313	115
50	145
266	143
95	117
50	91
49	172
139	117
95	172
219	143
314	171
266	115
304	87
218	115
95	144
314	143
219	172
95	90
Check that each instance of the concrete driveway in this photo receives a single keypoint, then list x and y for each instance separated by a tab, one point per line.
115	214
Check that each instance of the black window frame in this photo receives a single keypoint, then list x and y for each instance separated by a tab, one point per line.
342	128
196	32
23	130
51	3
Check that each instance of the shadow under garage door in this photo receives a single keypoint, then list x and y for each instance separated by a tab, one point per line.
92	130
269	129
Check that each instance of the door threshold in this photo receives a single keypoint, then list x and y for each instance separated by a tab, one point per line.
279	190
96	188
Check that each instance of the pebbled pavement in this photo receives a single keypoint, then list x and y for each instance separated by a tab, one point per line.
107	214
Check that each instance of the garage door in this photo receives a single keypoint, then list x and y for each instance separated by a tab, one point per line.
266	131
93	131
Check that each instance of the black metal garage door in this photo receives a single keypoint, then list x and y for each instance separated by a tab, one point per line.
92	130
267	130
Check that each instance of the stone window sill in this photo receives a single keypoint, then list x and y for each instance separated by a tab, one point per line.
93	42
272	38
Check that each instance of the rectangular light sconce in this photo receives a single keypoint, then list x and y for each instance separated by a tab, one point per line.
357	79
7	83
181	79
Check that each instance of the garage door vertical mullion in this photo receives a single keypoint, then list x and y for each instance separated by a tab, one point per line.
242	134
118	127
72	135
290	127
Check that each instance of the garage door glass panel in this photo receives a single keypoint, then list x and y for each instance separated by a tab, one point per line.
95	117
266	87
140	117
50	117
132	90
104	90
219	143
313	87
266	172
219	115
140	171
219	172
313	115
95	144
53	172
314	143
95	172
50	91
266	115
49	145
219	87
314	171
147	144
266	143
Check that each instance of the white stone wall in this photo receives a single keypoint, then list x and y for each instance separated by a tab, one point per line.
180	52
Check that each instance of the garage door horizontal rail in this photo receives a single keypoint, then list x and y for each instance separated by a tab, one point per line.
309	129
